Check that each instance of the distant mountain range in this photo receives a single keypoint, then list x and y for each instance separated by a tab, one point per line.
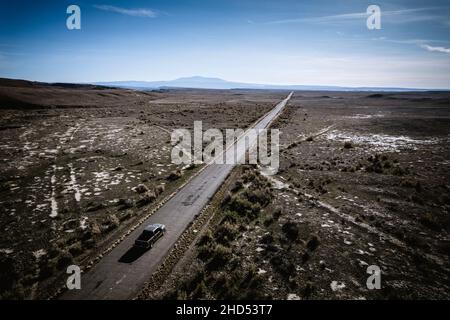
198	82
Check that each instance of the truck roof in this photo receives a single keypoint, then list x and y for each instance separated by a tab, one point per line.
153	227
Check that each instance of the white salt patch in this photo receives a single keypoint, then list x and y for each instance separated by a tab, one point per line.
362	263
293	296
380	142
83	223
39	253
100	176
6	251
337	286
54	203
366	116
41	206
261	271
74	184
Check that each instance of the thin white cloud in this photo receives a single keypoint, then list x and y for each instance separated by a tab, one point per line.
142	12
399	16
418	42
435	49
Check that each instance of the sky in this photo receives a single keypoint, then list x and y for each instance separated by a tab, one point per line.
257	41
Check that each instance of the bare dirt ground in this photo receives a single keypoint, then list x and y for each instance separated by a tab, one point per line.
80	164
364	180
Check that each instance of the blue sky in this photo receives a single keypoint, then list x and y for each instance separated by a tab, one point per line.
276	42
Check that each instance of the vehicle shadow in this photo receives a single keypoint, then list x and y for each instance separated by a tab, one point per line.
132	255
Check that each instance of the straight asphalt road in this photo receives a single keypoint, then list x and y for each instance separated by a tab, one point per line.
121	273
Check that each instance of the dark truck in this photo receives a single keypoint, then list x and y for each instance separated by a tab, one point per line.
150	235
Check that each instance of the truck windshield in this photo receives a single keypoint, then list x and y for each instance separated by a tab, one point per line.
146	235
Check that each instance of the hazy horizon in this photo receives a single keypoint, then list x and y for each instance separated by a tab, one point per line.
269	85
